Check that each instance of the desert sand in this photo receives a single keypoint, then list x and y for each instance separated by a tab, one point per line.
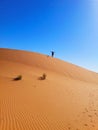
66	100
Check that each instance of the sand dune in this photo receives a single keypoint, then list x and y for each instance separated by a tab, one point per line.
66	100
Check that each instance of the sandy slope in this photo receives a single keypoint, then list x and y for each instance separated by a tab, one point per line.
66	100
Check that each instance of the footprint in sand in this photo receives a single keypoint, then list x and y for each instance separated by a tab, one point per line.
85	124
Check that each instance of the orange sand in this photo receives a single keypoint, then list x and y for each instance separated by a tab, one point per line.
66	100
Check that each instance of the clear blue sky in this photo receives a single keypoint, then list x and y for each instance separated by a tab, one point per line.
69	27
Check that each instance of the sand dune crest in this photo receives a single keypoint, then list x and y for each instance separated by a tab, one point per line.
66	100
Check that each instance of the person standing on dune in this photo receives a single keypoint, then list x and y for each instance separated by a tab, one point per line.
52	53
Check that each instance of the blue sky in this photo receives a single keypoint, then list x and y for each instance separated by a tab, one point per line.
69	27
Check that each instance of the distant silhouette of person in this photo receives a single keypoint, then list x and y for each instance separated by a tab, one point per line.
52	53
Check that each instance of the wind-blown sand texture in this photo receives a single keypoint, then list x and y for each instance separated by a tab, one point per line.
66	100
